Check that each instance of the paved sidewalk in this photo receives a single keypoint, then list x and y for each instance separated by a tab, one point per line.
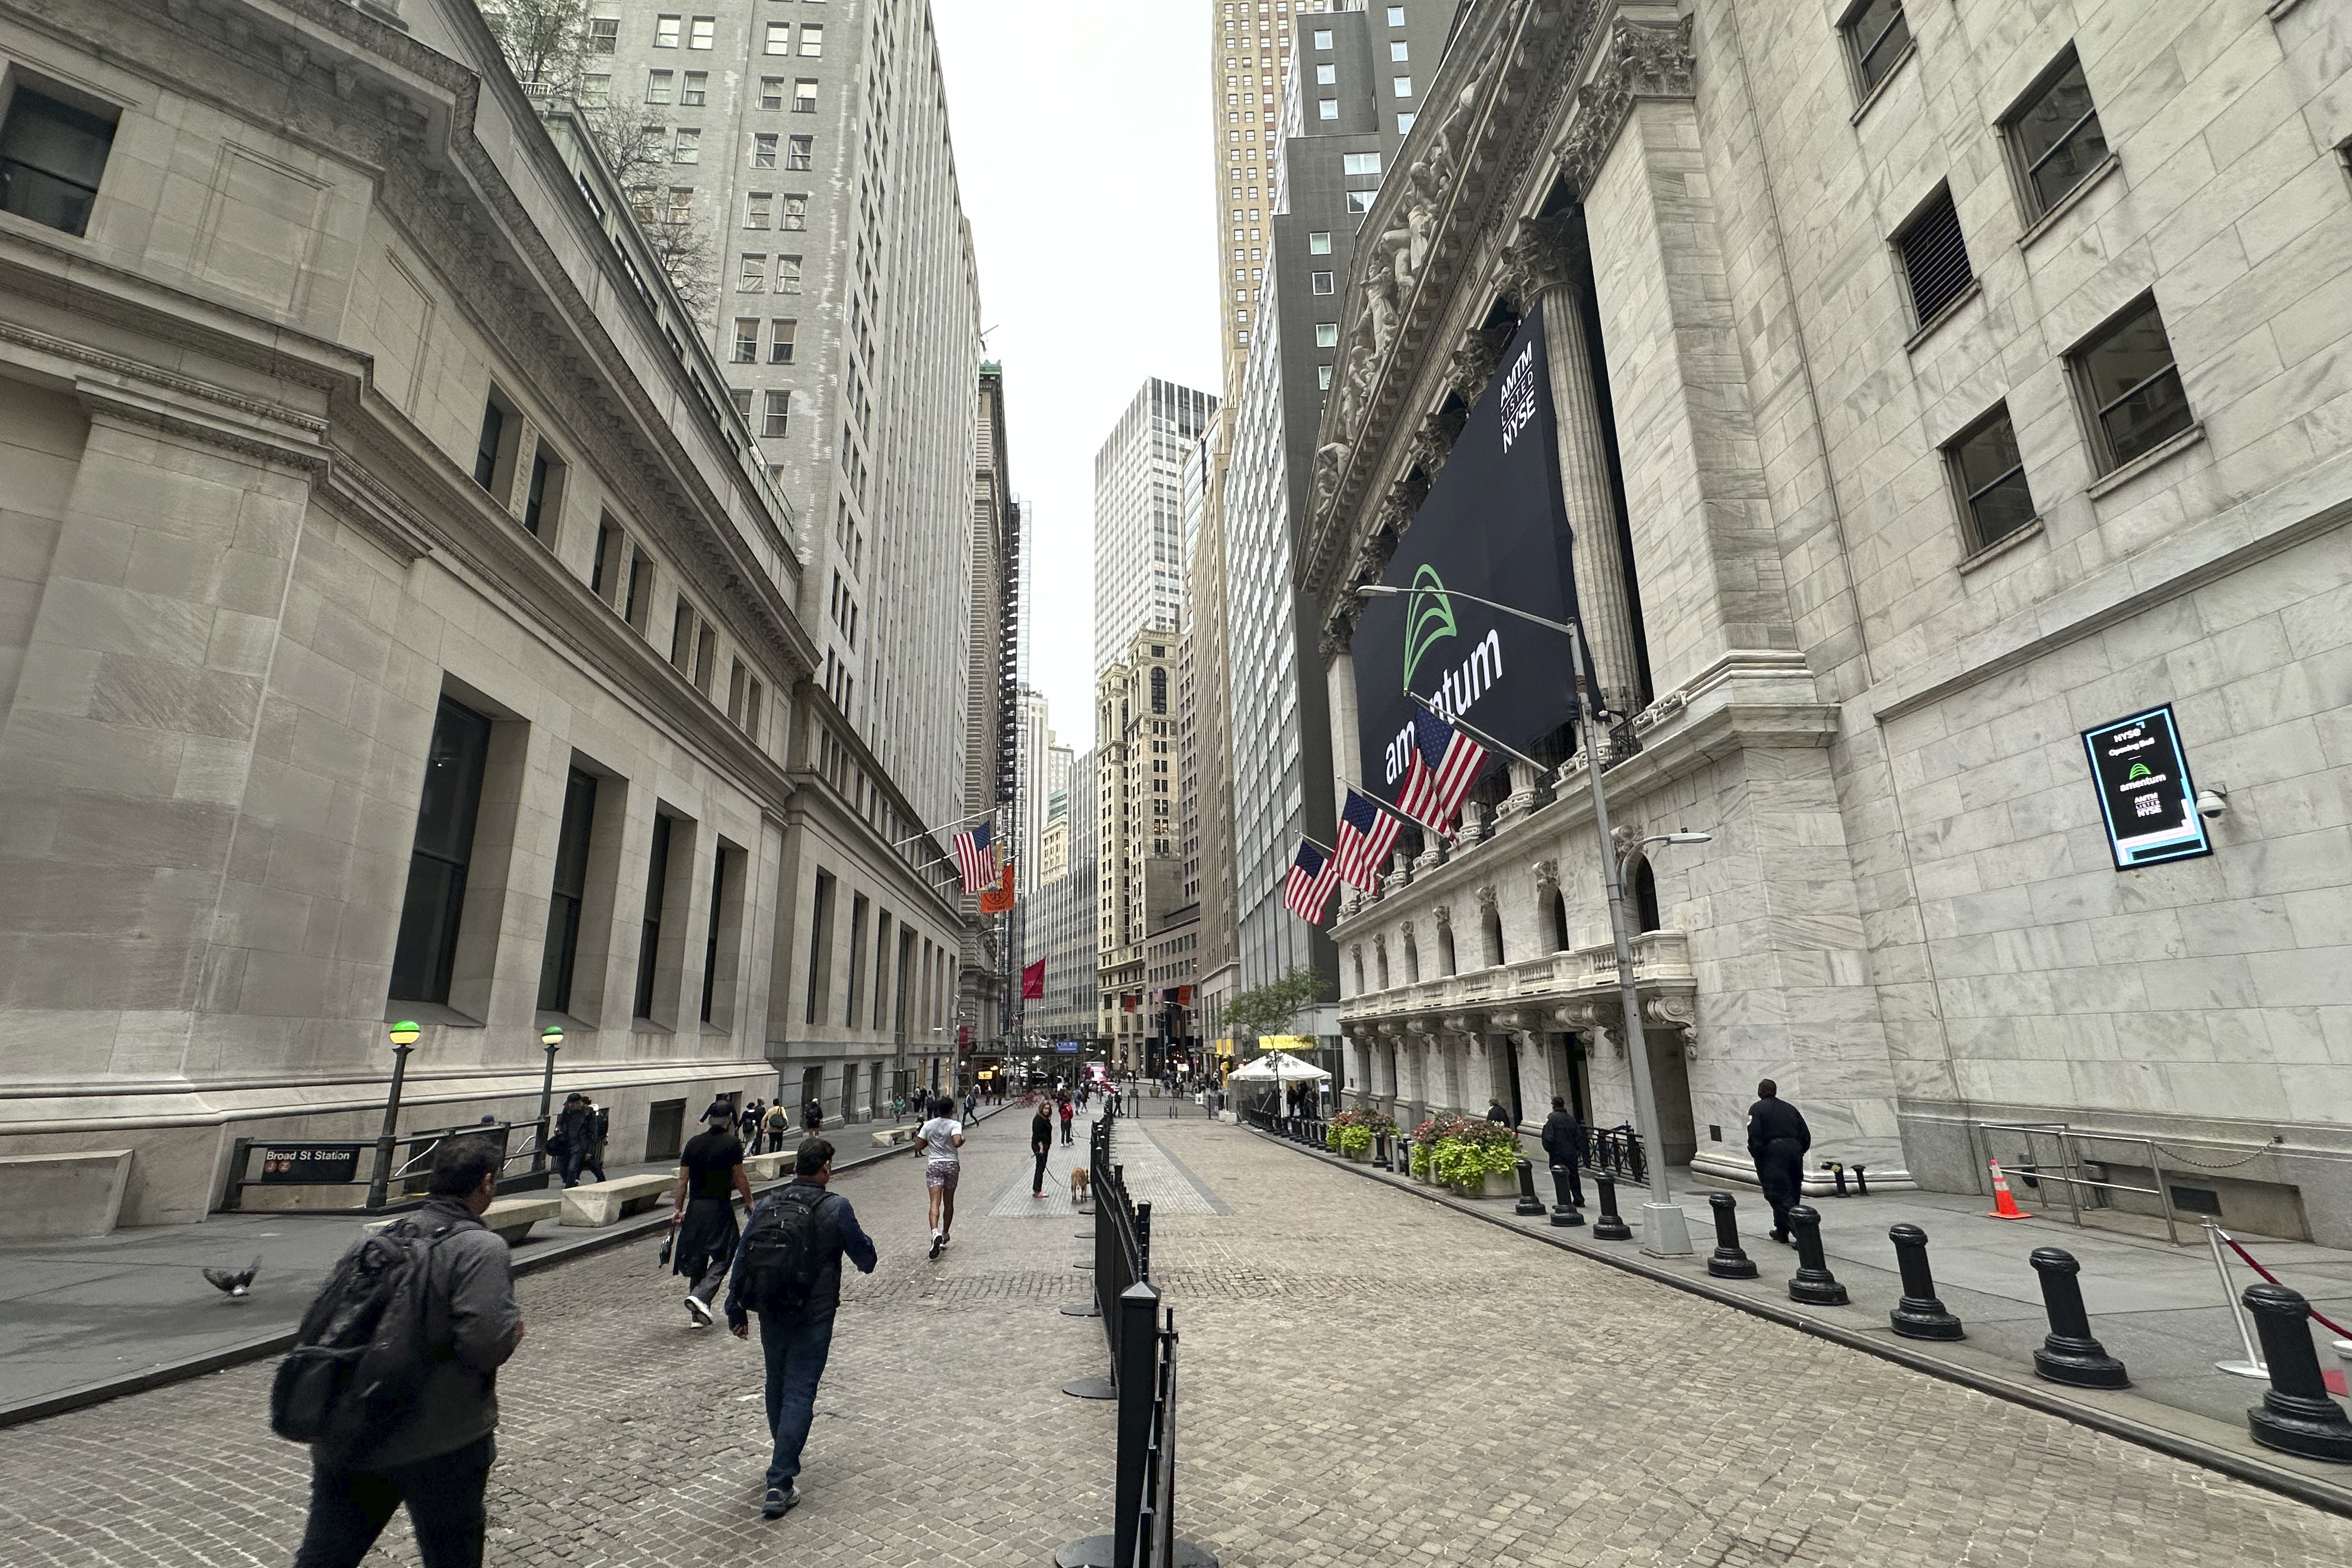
93	1316
2157	1307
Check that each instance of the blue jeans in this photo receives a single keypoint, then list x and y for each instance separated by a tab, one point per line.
795	1350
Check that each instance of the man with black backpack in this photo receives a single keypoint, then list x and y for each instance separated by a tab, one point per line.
788	1270
393	1378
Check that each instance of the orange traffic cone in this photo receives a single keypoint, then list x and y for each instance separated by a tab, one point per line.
2004	1205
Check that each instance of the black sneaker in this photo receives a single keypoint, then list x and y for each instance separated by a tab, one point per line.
938	1241
781	1501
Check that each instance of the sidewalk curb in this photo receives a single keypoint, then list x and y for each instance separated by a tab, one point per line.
212	1361
2242	1467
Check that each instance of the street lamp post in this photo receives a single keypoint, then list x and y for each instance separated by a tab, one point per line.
1665	1232
402	1036
550	1039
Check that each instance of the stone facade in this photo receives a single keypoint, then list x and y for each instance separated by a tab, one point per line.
1908	915
261	531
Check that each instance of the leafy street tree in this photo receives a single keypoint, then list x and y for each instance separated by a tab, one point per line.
1273	1007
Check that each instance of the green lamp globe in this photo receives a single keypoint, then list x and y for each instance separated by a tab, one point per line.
404	1033
552	1036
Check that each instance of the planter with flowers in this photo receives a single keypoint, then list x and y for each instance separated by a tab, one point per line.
1349	1134
1476	1157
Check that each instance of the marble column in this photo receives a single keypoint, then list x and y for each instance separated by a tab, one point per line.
1544	268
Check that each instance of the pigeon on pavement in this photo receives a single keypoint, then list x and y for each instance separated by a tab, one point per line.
236	1284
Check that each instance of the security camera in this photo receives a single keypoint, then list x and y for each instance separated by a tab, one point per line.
2212	801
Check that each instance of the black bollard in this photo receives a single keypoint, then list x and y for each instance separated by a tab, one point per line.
1837	1171
2296	1417
1563	1213
1729	1262
1860	1187
1529	1202
1813	1283
2070	1354
1610	1225
1919	1315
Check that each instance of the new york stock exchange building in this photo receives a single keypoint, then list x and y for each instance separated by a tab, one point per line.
1935	418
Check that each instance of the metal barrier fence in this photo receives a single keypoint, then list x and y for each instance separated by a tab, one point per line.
1615	1152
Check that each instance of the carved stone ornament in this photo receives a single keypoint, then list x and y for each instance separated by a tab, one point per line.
1442	915
1473	365
1547	874
1431	445
1672	1008
1545	253
1622	838
1641	59
1485	899
1329	460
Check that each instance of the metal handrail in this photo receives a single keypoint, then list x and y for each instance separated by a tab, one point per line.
2071	1160
423	1144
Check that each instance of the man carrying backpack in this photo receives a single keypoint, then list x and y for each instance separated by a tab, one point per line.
779	1123
788	1270
432	1451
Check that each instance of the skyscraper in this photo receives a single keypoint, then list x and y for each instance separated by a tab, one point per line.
1034	766
1139	515
1249	59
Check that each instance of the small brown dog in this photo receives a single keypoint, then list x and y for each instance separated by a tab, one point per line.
1078	1181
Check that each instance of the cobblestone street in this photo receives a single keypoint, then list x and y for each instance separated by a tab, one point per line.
1367	1379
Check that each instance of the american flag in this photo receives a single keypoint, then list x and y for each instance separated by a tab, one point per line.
1366	835
975	858
1306	890
1445	763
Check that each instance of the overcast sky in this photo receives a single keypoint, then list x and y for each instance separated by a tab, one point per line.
1082	148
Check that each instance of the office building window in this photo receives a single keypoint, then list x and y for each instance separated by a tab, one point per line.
569	892
1326	76
805	95
665	31
764	149
741	398
798	151
780	341
772	92
1876	35
1322	39
788	275
649	926
757	205
746	339
1359	162
681	204
1323	377
811	40
494	445
710	943
695	88
2055	137
1935	258
600	572
51	155
778	39
597	89
794	214
427	948
1319	282
1404	125
1326	334
1360	201
1326	109
701	32
1989	478
1396	16
777	417
688	146
2127	379
1401	87
1319	245
543	499
753	275
639	600
1399	50
603	35
657	85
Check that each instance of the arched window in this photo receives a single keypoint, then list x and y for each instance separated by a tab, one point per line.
1359	971
1445	950
1158	691
1645	896
1380	957
1558	902
1411	960
1493	922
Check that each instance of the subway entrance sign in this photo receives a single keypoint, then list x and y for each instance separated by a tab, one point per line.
2145	798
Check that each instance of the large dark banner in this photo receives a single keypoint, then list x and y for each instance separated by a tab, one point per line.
1493	526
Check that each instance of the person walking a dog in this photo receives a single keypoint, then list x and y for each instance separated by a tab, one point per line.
1041	1143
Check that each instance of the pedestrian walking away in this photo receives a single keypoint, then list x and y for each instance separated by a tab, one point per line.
1496	1113
813	1115
600	1125
1041	1143
779	1124
1776	1141
434	1456
1067	1110
747	1128
941	1136
567	1142
787	1268
1563	1145
703	1232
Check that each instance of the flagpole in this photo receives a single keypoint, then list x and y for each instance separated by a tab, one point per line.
1476	733
959	823
1404	816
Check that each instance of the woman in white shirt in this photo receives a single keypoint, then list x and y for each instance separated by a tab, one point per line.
942	1137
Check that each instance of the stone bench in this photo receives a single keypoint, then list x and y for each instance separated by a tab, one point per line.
767	1167
62	1193
891	1137
604	1202
508	1218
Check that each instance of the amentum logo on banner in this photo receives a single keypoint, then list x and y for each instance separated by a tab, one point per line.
1491	526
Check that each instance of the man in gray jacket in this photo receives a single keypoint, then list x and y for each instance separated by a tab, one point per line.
436	1458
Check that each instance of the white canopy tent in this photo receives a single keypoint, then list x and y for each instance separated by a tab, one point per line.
1276	1068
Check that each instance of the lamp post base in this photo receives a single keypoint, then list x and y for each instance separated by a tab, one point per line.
1665	1230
